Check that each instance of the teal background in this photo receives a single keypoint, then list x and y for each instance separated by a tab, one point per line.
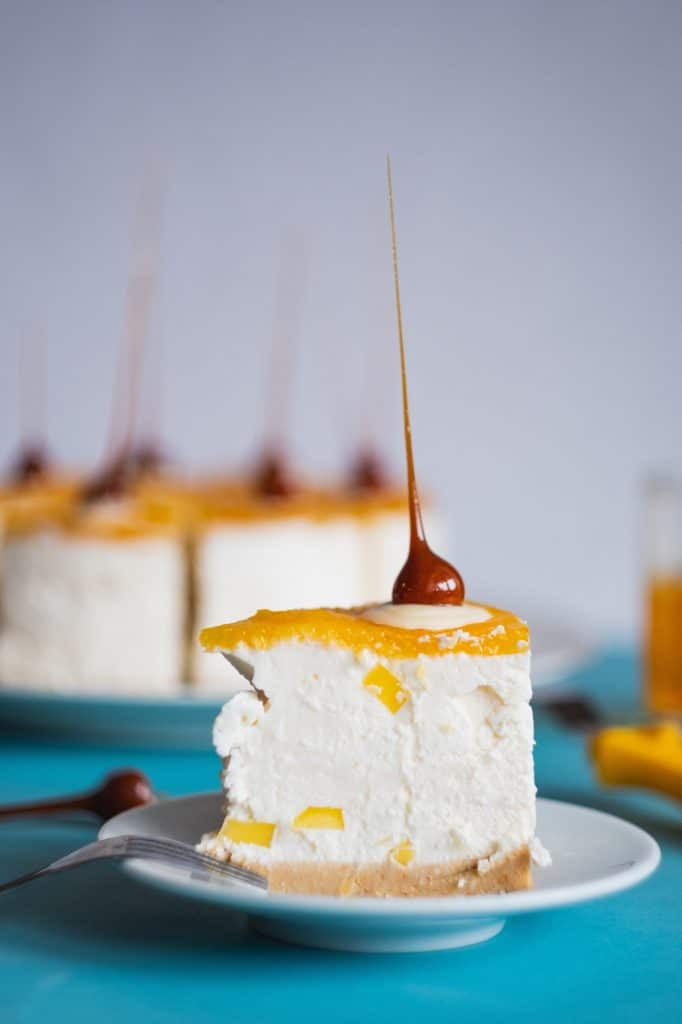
96	946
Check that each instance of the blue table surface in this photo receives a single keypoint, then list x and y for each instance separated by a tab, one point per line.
94	945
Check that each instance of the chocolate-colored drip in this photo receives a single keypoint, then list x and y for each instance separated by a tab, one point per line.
114	481
120	474
31	464
149	458
425	578
367	472
272	478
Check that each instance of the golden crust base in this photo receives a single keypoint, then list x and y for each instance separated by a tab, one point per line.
459	878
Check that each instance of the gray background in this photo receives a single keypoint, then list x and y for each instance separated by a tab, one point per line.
537	153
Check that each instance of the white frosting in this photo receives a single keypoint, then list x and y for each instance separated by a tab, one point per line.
81	614
451	771
433	617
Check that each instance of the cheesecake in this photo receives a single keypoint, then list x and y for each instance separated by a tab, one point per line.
385	750
93	599
382	749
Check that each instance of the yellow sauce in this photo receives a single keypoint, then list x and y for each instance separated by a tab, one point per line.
502	633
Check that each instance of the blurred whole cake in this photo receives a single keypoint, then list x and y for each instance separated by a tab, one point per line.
87	584
105	581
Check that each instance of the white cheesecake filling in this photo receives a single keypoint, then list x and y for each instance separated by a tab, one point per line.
85	615
451	772
434	617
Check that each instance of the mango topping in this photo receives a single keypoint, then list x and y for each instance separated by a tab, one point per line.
386	687
320	817
259	833
403	854
345	628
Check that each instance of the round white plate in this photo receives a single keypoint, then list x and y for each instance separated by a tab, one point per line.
186	721
593	854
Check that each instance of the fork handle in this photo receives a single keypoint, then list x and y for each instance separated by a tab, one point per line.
101	849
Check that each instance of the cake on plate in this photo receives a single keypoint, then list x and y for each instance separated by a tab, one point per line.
383	750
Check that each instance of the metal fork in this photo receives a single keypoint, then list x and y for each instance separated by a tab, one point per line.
168	851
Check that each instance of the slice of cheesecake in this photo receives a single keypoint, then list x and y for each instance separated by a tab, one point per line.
380	751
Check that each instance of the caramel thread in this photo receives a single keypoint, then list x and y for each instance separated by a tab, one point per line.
121	468
32	462
425	578
272	478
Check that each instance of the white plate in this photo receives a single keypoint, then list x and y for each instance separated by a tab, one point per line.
185	721
594	854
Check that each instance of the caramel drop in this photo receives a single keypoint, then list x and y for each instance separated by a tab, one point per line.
425	578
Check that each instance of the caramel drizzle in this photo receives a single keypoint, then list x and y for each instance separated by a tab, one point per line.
122	467
425	578
367	473
272	477
32	462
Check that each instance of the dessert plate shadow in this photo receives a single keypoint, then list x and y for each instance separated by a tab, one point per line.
184	719
594	854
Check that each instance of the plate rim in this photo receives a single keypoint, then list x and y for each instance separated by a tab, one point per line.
252	901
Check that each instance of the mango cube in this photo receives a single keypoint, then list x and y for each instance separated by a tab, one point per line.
403	854
259	833
320	817
386	687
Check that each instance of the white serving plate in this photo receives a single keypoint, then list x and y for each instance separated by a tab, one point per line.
593	855
185	719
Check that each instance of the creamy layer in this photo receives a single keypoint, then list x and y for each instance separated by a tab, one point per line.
426	616
86	615
427	759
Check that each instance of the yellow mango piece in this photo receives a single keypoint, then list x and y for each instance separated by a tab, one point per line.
403	854
320	817
649	756
386	687
259	833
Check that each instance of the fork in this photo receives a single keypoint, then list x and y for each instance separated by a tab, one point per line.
168	851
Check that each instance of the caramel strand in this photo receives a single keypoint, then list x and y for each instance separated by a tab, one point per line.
31	465
367	473
425	578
